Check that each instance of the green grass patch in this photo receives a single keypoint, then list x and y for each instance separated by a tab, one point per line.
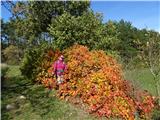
142	78
37	105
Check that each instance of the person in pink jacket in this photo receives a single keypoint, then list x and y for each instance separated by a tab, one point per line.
59	67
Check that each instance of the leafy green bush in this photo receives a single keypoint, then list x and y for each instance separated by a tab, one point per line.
32	59
12	54
4	69
68	30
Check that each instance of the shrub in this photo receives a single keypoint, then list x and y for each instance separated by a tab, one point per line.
12	55
4	69
44	75
96	79
31	63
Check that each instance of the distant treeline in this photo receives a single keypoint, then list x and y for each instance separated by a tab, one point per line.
61	24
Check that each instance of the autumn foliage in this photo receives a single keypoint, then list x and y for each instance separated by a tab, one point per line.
95	79
45	69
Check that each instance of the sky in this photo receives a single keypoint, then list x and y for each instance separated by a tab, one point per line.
144	14
141	14
5	14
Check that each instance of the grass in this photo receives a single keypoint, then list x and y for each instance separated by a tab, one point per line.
37	105
142	78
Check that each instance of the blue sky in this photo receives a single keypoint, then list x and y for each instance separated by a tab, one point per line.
141	14
5	14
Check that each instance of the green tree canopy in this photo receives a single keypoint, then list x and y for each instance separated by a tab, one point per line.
37	15
67	30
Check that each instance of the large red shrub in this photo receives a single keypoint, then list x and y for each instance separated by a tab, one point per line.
45	69
96	79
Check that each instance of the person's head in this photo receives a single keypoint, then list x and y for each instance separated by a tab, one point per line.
61	58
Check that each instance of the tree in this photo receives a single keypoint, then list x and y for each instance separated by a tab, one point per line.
110	40
37	15
10	41
68	30
151	56
8	34
126	35
4	39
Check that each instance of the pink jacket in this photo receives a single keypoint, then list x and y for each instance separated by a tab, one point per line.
59	67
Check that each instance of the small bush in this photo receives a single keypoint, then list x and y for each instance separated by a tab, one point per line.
32	62
12	55
4	69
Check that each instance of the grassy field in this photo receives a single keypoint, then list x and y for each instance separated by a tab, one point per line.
37	105
143	79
